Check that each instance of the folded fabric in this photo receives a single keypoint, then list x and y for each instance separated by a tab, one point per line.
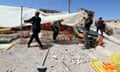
98	66
5	40
109	67
115	59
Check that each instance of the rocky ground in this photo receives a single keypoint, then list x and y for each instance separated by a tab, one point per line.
62	57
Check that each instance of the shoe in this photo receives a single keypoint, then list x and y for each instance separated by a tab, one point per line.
85	47
28	45
41	48
55	41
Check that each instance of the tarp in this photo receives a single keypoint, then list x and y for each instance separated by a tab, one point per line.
75	18
11	16
69	19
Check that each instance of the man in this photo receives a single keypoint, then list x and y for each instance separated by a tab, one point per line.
55	28
88	23
100	26
36	27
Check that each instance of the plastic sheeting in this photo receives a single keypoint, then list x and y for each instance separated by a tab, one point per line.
69	19
11	16
75	18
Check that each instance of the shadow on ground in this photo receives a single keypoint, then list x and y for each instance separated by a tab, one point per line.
45	46
75	41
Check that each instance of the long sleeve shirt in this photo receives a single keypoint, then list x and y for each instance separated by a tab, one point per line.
88	23
35	22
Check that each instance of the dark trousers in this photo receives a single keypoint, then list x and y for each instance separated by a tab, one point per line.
35	35
101	30
55	33
85	38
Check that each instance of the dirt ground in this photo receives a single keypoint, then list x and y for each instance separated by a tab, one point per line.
62	57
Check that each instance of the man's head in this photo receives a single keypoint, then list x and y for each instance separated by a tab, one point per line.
90	14
100	18
37	13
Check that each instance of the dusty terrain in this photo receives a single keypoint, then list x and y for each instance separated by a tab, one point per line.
62	57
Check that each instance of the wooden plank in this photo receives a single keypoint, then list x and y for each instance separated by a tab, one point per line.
5	30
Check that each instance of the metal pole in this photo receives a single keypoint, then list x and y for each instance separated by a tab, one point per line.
69	6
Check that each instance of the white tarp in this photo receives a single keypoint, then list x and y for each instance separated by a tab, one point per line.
11	16
69	19
75	18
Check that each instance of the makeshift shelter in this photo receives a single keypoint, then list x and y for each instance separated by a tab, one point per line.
11	16
14	17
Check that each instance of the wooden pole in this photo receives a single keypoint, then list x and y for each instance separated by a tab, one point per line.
21	17
21	27
69	2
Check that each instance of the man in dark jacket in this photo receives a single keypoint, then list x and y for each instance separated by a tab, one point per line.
100	26
88	23
36	27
